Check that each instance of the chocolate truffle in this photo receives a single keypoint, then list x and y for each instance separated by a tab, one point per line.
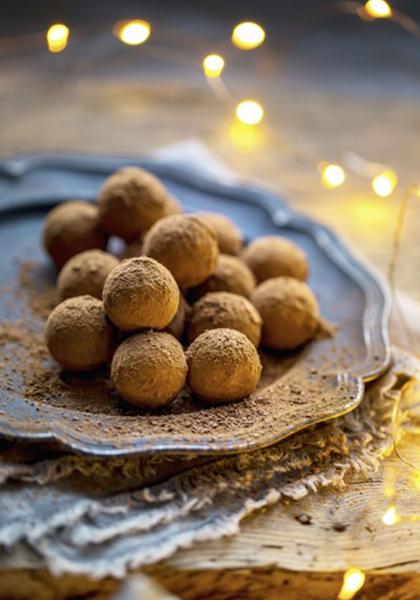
70	228
186	246
85	274
289	311
173	207
229	237
177	326
223	366
226	310
149	369
139	293
231	275
79	335
274	256
131	201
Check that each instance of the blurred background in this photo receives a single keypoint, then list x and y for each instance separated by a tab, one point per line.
333	84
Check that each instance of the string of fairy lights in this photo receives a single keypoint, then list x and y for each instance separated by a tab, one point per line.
249	113
247	36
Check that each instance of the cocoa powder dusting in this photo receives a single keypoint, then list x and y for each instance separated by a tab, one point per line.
88	407
39	292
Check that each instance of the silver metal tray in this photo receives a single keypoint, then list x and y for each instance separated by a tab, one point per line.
297	390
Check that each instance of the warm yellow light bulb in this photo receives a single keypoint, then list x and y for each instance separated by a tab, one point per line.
57	37
332	176
383	184
391	516
249	112
248	35
353	581
378	9
133	32
213	65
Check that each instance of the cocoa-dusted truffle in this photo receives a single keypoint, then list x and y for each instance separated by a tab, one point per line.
79	335
177	326
85	274
149	369
274	256
139	293
185	245
135	248
229	237
289	311
226	310
173	207
131	201
231	275
70	228
223	366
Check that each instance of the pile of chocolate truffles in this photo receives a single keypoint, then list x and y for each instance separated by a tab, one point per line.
190	303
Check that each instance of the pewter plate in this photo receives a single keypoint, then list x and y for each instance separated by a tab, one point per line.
38	402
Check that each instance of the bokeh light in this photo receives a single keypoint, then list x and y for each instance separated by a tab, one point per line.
249	112
133	32
332	176
213	65
353	581
383	184
57	37
248	35
378	9
390	516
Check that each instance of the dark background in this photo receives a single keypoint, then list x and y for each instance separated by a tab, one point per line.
31	15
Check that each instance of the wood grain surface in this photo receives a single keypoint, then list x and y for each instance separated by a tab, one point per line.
217	584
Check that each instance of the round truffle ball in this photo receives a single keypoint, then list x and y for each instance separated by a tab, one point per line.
231	275
186	246
229	237
70	228
131	201
139	293
289	311
85	274
173	207
79	335
149	369
274	256
224	310
223	366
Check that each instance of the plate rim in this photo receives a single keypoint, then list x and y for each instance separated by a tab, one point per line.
377	307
